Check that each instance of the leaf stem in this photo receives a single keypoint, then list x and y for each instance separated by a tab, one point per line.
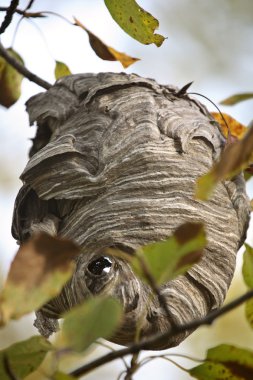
157	338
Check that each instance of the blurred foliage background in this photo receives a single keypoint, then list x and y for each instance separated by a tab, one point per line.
210	43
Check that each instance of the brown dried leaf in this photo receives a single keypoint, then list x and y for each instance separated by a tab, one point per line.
38	272
106	52
237	129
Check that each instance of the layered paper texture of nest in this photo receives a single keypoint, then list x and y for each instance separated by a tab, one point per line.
115	162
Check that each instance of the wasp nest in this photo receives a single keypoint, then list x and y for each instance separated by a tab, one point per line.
114	163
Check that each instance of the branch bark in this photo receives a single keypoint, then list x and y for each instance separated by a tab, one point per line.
144	344
9	14
24	13
22	69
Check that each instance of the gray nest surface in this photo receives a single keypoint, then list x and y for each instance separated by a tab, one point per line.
114	163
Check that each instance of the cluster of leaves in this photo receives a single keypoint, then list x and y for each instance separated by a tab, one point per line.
237	154
42	266
134	20
38	272
40	269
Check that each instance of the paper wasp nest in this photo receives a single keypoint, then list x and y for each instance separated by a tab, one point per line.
114	163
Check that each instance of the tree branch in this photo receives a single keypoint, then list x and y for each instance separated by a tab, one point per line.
156	339
24	13
9	14
22	69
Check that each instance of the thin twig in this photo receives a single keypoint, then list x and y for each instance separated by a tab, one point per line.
157	338
134	365
20	20
164	357
29	5
39	14
111	349
167	356
24	13
9	14
121	374
22	69
16	31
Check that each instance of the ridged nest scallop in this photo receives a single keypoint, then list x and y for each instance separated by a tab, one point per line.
114	163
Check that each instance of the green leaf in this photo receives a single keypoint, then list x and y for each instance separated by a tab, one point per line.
225	362
135	21
24	357
61	70
247	268
249	311
234	158
247	272
96	318
212	371
167	259
234	99
38	272
62	376
10	80
205	185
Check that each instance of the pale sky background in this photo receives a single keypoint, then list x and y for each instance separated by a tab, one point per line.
210	42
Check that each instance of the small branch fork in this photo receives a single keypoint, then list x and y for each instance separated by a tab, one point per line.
157	338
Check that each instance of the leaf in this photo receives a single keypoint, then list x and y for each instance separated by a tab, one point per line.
10	80
212	371
225	362
24	357
247	268
236	128
96	318
167	259
38	272
61	70
234	158
237	98
106	52
135	21
247	272
249	311
62	376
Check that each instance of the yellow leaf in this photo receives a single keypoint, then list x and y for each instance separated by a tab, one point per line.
236	128
106	52
61	70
